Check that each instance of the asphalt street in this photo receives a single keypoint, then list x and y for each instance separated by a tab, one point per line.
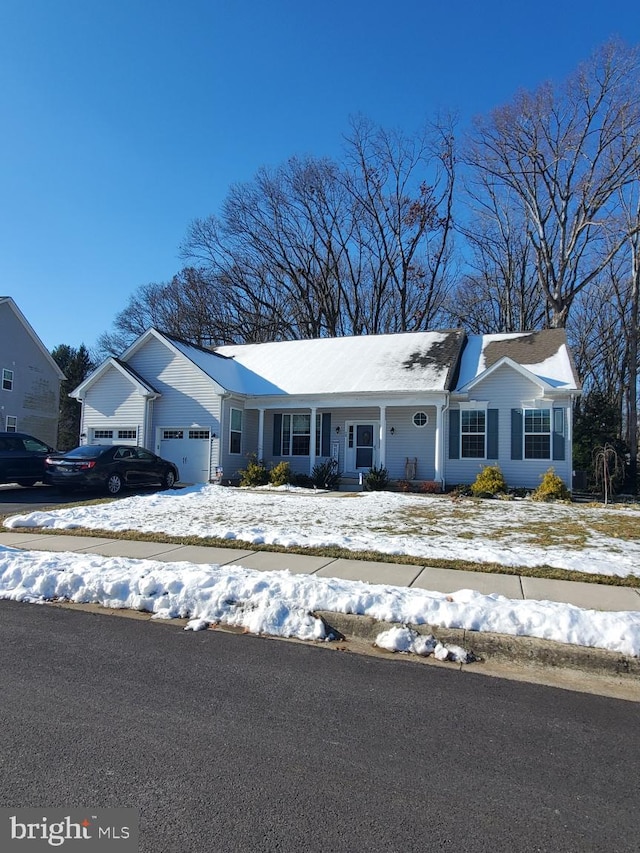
240	743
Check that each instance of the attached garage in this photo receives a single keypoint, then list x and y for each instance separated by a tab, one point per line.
115	435
189	449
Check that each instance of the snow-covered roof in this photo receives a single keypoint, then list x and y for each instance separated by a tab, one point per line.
410	361
544	354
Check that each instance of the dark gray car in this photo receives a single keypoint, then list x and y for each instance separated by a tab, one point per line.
22	458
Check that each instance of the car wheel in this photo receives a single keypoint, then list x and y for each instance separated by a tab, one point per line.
29	482
114	484
169	480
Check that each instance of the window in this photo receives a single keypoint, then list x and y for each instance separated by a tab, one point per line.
537	433
420	419
35	446
103	433
12	423
199	433
473	433
127	433
7	380
235	435
296	435
172	433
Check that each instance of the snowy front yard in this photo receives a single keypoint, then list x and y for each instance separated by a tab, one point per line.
523	533
519	533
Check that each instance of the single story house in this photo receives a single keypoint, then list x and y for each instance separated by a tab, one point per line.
430	406
29	378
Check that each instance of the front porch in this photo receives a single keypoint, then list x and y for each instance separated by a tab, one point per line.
405	439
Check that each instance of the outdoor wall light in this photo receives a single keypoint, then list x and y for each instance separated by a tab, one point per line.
214	435
337	430
392	430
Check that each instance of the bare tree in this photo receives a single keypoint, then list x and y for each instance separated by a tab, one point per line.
501	292
319	248
565	152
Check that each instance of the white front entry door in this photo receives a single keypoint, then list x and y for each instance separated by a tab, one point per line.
190	450
363	445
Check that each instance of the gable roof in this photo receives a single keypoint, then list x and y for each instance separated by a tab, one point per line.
142	386
544	355
407	361
7	300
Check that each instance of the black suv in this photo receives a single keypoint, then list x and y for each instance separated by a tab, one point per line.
22	458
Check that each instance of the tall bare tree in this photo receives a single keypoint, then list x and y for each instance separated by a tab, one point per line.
564	152
320	248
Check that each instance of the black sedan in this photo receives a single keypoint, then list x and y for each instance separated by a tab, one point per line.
110	467
22	458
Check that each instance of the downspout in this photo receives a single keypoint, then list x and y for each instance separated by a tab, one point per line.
440	441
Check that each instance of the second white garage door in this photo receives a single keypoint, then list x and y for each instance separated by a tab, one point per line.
190	449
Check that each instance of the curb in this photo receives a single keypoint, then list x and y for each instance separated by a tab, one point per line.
500	648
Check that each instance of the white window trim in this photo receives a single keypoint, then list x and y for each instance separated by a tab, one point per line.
537	408
232	431
481	407
10	379
11	427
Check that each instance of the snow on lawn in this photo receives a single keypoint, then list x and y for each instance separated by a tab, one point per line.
519	533
283	604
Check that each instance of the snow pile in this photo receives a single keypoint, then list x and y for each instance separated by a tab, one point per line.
428	527
283	604
408	640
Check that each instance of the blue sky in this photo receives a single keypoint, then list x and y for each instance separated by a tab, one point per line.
123	120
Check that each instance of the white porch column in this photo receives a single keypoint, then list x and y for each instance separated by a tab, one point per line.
383	436
260	433
312	440
439	445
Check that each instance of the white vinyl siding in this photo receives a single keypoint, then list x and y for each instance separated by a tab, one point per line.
110	405
188	396
504	390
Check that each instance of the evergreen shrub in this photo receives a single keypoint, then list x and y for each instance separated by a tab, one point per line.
489	483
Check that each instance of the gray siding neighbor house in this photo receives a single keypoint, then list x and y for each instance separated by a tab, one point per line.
428	406
29	380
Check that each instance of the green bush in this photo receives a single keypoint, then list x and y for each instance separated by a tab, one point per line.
325	475
255	474
376	479
281	474
552	488
489	483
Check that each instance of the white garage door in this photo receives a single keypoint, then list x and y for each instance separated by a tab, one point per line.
115	435
190	450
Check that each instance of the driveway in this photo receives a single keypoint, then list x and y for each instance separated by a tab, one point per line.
16	499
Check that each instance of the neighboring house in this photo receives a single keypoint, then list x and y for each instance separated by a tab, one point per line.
30	378
425	405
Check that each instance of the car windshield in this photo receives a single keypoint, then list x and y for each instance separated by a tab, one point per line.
87	451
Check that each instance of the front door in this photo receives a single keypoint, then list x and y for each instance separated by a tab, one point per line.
362	449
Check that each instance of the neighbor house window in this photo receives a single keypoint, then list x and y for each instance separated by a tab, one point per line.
7	380
420	419
127	433
12	423
235	435
537	433
473	430
103	433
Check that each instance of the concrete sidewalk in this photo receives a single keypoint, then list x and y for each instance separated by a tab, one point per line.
587	595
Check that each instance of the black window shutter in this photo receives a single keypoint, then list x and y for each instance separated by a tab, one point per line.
277	435
492	434
558	434
325	447
516	433
454	434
